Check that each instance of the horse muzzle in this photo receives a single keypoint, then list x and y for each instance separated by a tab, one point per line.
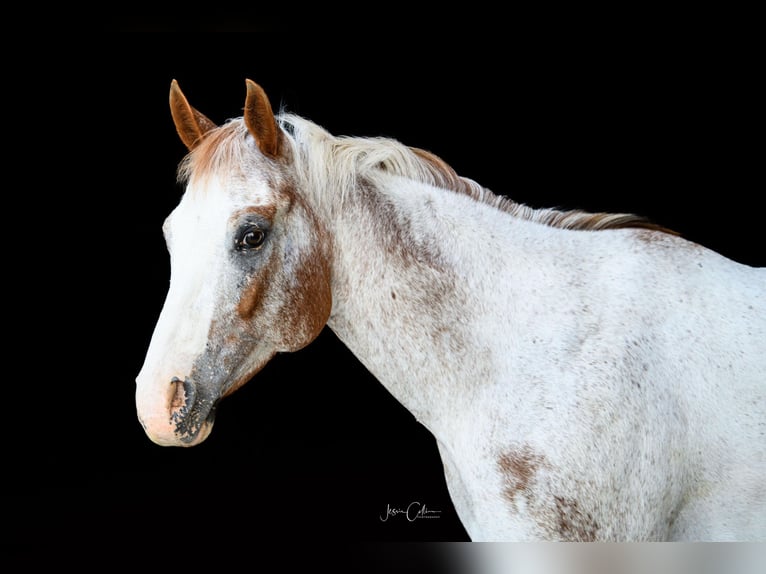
180	414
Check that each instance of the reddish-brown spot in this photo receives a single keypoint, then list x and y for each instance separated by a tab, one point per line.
574	524
253	295
268	211
559	517
307	306
518	468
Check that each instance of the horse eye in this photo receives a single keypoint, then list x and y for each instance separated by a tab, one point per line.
253	238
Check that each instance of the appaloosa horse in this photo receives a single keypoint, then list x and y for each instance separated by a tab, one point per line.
586	376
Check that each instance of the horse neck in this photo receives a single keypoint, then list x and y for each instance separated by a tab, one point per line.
413	288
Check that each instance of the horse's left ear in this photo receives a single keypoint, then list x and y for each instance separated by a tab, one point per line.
260	121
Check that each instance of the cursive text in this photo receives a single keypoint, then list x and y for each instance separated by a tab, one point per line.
413	511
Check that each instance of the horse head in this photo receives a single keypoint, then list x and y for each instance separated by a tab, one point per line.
249	269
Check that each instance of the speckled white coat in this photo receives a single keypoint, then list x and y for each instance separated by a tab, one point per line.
586	385
581	384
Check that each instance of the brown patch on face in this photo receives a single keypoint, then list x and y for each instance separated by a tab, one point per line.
573	524
267	211
518	468
291	298
253	294
309	304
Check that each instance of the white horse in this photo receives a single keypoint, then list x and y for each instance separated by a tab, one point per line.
586	376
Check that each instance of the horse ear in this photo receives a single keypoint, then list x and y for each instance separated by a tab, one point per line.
191	125
260	120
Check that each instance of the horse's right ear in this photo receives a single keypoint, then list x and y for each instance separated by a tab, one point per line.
191	125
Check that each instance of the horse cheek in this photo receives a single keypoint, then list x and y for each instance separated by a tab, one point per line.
251	300
308	303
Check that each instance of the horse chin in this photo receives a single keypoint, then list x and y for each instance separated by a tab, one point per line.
164	431
201	434
174	439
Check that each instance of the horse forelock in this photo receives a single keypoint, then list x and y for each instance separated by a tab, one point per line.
332	166
224	150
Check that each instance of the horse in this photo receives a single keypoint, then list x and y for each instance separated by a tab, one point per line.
586	376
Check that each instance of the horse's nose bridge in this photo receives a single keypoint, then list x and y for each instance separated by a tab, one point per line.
193	282
172	407
188	311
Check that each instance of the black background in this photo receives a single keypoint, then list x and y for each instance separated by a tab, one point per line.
650	113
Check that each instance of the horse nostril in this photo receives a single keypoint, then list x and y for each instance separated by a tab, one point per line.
184	395
191	410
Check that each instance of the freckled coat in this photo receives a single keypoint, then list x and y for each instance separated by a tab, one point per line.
586	376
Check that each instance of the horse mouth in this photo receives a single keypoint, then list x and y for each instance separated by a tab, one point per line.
192	412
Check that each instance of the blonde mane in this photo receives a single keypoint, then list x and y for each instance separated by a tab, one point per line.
340	163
